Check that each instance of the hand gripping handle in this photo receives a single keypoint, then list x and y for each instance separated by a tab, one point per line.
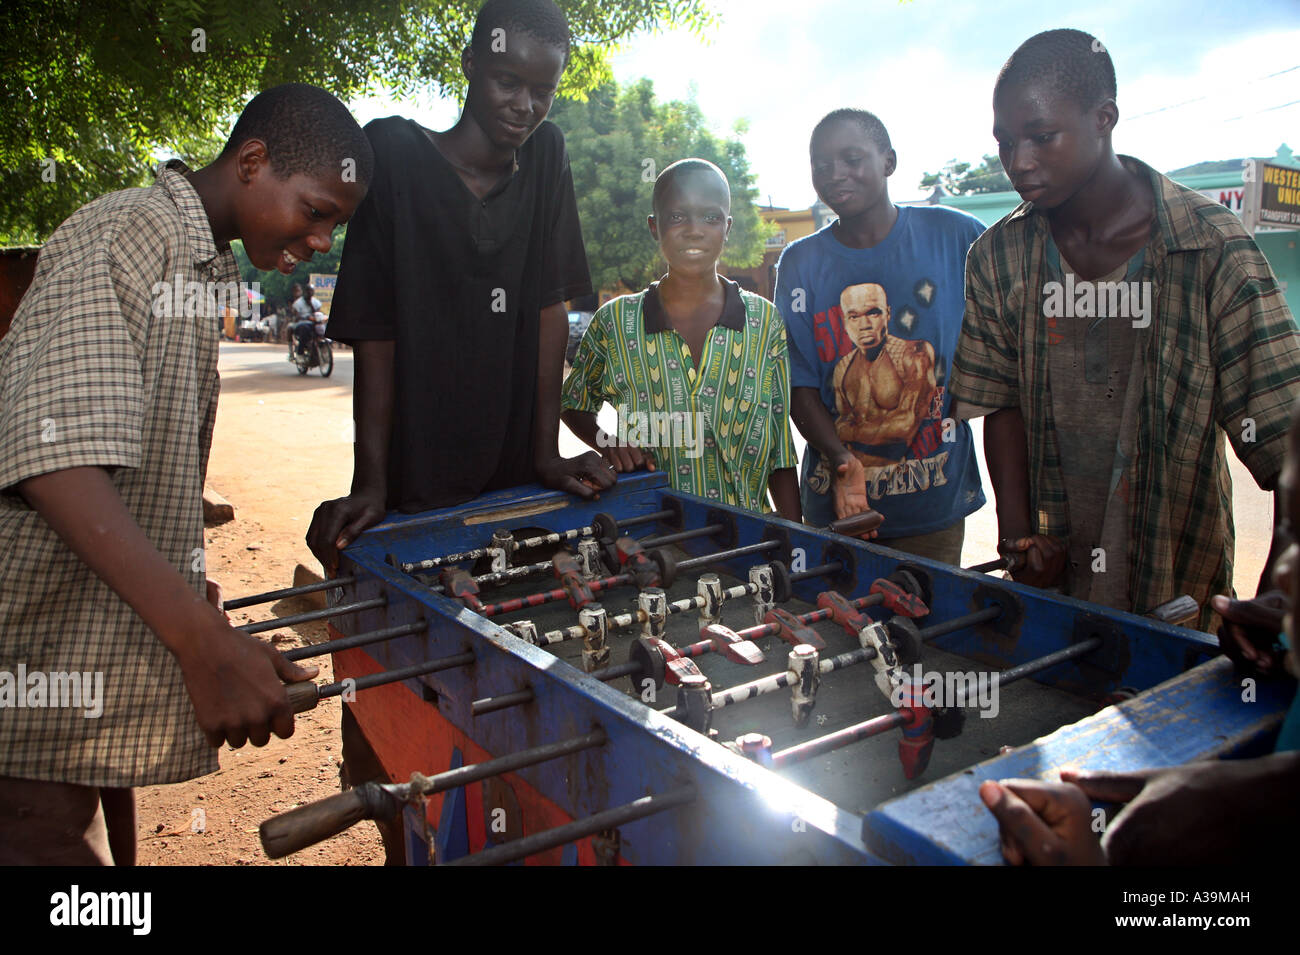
857	524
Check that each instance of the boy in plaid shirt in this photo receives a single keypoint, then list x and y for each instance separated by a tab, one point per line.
115	669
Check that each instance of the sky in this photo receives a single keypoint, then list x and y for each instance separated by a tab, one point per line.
1197	80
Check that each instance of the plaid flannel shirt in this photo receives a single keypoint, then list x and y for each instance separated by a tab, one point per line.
95	372
1221	356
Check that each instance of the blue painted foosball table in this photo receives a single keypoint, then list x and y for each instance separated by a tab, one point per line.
653	678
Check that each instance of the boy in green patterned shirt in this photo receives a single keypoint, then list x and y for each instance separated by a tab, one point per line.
695	366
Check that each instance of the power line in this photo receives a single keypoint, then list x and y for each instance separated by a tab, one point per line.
1162	109
1267	109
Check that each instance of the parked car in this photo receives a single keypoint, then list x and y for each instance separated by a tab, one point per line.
578	322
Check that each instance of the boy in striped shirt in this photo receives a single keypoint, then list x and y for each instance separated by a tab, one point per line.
695	366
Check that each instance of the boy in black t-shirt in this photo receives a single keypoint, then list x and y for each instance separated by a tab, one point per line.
452	291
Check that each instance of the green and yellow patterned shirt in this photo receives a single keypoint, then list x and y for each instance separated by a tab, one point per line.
719	431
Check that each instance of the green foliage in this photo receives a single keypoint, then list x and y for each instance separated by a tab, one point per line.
618	140
100	88
278	287
961	179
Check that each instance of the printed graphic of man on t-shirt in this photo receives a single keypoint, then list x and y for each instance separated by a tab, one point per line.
885	386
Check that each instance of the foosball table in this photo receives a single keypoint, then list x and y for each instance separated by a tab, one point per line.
655	678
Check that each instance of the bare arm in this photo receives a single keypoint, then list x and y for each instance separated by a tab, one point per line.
815	424
234	680
784	488
339	522
587	473
1006	450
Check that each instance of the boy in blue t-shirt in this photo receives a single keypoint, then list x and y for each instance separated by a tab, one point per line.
873	307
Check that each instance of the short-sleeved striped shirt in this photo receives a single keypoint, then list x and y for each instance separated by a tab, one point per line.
112	362
718	431
1221	355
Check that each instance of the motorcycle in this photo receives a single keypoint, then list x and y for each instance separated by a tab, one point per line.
317	353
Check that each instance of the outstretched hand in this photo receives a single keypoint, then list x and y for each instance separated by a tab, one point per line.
1181	815
624	458
1248	634
1043	823
585	475
849	491
339	522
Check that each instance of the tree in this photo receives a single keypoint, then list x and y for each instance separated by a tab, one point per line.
96	90
960	179
619	139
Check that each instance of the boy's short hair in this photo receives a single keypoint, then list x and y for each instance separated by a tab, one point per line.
671	172
540	19
869	122
1070	63
306	130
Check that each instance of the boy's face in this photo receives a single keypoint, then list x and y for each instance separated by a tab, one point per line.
691	221
1286	572
1049	146
511	91
848	170
286	221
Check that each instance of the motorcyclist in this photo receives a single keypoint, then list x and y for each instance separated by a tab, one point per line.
306	310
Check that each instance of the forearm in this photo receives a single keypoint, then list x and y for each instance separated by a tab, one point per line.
1274	550
583	425
553	335
783	485
816	425
83	507
1006	451
372	408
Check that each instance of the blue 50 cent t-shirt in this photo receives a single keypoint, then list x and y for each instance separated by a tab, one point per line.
874	331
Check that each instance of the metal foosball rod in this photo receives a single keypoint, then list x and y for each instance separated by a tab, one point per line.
356	640
658	567
580	828
272	595
306	695
1011	562
332	582
354	607
315	822
805	666
882	724
602	525
793	628
655	659
712	595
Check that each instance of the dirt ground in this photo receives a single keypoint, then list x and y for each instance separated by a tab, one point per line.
282	445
